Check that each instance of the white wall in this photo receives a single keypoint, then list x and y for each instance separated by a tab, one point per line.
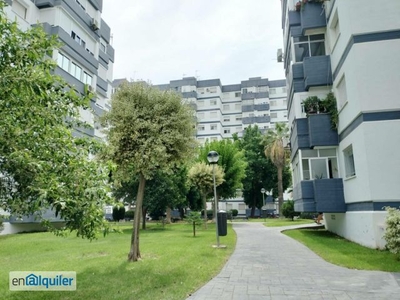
365	228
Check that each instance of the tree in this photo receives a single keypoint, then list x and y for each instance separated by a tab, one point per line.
260	171
288	210
148	130
42	165
201	176
118	213
194	219
275	142
232	162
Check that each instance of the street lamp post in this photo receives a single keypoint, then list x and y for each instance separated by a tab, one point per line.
212	158
263	208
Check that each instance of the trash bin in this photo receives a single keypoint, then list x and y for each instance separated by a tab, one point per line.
222	219
264	213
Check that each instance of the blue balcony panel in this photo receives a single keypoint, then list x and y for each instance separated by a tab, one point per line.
299	137
264	106
247	108
303	195
317	71
45	3
298	71
248	120
312	16
321	132
294	18
263	119
298	85
329	196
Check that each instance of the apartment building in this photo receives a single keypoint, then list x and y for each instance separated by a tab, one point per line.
85	60
350	173
223	110
86	57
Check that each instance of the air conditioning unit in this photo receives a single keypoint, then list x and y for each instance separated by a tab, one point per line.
279	55
90	88
95	24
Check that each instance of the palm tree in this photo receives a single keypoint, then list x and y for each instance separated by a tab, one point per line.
275	142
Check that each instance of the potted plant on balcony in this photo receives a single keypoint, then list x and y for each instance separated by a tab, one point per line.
311	105
314	105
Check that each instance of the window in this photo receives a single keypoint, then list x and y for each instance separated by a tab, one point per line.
213	115
239	129
19	9
214	138
238	118
213	102
263	88
238	94
200	91
334	29
63	62
285	102
238	106
274	115
342	92
78	39
200	116
306	46
87	78
244	91
272	103
272	91
318	164
201	128
214	127
349	161
283	90
227	119
80	4
212	89
76	71
200	103
227	131
226	107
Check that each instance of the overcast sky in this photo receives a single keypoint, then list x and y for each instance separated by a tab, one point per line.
163	40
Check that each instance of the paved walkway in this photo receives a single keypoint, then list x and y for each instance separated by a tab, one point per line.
269	265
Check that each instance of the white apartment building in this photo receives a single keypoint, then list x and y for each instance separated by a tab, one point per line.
85	60
350	48
223	110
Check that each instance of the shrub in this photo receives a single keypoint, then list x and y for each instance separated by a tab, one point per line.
392	232
118	213
130	214
308	215
234	212
288	210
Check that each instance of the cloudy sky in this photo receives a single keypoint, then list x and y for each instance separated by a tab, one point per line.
163	40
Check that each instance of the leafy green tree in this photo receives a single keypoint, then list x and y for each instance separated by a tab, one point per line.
260	171
275	142
392	231
42	165
201	176
288	210
232	161
194	218
148	130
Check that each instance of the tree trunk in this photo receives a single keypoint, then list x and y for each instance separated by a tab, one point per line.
280	191
168	218
194	228
205	209
134	253
144	213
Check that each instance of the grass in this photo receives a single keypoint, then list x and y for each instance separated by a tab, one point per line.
342	252
174	263
281	222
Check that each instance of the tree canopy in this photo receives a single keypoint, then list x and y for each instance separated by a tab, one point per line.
232	162
42	166
148	130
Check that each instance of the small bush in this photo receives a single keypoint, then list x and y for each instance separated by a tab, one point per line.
307	215
118	213
288	209
234	212
129	215
392	232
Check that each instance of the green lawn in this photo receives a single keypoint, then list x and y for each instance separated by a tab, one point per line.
173	265
286	222
342	252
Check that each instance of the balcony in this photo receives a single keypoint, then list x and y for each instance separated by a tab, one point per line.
319	195
263	119
247	108
317	71
263	106
313	131
312	16
320	131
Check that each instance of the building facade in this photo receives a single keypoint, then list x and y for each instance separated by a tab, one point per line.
350	173
223	110
85	61
86	58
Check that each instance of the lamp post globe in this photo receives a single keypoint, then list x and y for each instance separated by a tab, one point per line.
212	158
